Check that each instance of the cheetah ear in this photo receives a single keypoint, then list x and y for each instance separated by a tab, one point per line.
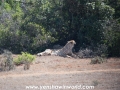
72	42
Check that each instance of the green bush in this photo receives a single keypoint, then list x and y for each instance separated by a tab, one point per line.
6	61
98	60
25	57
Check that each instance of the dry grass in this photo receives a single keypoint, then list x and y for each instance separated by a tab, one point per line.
54	70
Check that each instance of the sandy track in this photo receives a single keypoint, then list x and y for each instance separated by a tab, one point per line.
60	73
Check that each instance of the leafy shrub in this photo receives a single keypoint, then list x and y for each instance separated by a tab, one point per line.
85	53
101	50
92	51
6	61
98	60
95	83
24	58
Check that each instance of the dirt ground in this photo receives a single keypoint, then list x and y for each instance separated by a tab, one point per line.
59	71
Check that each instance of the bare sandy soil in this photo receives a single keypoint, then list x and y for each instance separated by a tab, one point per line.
59	71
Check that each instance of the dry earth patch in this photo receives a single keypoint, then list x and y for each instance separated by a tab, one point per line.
55	70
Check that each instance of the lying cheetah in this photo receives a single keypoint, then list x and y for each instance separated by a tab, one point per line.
65	51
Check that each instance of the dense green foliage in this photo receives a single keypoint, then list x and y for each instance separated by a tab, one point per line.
33	25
